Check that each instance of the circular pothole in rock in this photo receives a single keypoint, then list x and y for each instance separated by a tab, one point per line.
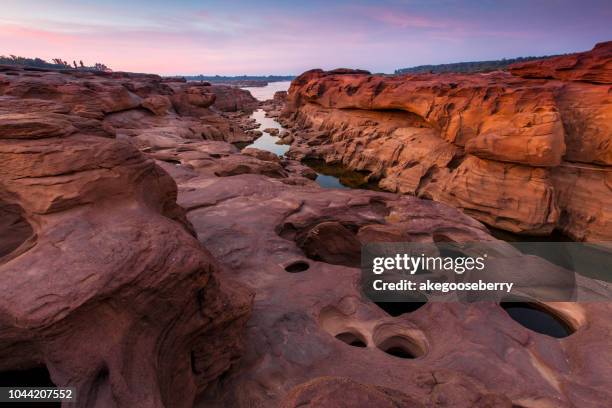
538	318
400	341
343	327
297	266
352	339
401	347
331	242
398	308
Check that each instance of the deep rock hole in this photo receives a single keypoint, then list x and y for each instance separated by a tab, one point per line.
331	242
400	347
351	339
404	304
298	266
399	352
399	308
537	318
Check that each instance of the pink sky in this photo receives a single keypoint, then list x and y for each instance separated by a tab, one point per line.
268	37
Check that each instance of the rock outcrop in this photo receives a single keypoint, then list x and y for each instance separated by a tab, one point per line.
510	149
592	66
233	99
295	246
103	283
105	181
333	392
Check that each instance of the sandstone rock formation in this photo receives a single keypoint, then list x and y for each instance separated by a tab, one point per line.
103	283
233	99
272	131
309	311
593	66
516	150
295	246
107	287
330	392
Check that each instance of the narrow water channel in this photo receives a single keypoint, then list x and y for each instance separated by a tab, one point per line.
267	141
327	176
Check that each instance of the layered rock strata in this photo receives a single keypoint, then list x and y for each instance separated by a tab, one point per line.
108	289
526	151
103	283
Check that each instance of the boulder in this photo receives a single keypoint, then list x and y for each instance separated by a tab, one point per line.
233	99
261	154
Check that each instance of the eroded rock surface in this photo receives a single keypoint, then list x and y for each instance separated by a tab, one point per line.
103	282
505	147
310	319
593	66
334	392
233	99
131	309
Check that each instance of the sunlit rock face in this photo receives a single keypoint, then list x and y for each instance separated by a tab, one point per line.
594	66
507	147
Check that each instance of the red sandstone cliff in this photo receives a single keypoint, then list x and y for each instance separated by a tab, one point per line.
525	151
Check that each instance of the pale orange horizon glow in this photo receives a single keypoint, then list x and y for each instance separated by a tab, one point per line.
269	37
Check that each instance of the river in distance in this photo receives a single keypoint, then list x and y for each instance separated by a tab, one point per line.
327	176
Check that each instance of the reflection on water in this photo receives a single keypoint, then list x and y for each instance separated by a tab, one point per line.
536	319
328	181
328	176
263	93
267	141
333	176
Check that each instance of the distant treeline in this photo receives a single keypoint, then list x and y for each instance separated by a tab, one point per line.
239	78
57	63
472	66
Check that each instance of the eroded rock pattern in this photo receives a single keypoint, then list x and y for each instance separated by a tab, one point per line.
233	99
310	319
106	285
102	280
508	148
